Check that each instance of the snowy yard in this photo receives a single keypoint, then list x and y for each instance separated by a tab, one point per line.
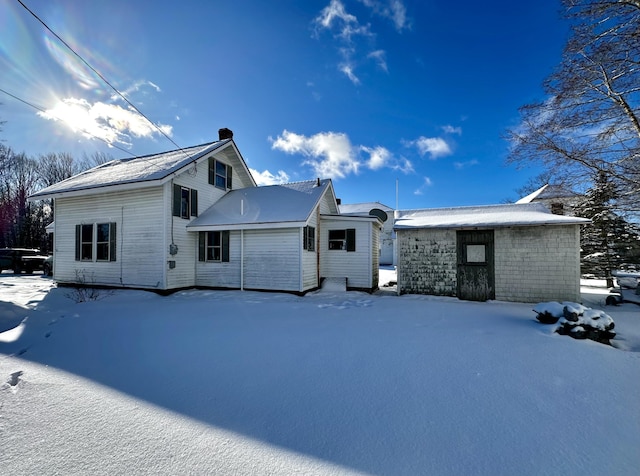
230	382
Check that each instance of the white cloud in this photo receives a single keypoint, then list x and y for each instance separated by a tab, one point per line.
378	157
464	165
425	184
331	154
109	122
449	129
379	57
349	31
335	11
436	147
394	10
267	178
347	69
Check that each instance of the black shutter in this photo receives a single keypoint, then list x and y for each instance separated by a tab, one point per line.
201	248
351	239
78	240
305	237
212	171
225	246
229	176
177	199
112	241
194	203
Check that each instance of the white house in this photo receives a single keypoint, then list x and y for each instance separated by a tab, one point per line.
557	198
387	235
195	217
516	252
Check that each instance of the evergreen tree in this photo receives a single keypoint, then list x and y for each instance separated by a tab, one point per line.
609	242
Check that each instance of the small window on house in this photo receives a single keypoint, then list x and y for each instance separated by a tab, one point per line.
98	240
214	246
557	208
309	238
342	239
185	202
220	174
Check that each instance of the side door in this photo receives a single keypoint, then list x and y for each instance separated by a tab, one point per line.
476	270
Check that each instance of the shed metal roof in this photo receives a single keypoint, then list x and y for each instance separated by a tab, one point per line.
487	216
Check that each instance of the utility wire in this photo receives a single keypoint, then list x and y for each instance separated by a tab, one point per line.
84	131
100	76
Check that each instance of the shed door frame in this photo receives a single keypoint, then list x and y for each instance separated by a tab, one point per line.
475	265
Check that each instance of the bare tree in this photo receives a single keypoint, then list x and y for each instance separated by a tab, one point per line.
53	168
590	123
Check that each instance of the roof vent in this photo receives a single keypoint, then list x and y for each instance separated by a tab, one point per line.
225	133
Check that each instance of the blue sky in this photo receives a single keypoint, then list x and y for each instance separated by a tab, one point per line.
369	93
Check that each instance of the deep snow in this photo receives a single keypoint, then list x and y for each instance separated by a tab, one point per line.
230	382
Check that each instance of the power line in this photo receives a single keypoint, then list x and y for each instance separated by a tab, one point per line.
101	76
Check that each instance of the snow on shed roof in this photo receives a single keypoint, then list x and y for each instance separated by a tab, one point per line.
290	204
548	192
148	168
487	216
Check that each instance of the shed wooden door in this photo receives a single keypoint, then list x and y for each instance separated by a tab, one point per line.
476	271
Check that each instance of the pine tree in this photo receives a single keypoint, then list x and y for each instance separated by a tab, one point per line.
609	242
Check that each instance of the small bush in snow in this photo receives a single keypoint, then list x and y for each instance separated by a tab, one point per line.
83	290
577	321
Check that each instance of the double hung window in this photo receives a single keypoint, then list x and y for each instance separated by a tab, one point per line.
220	174
96	242
185	202
342	239
213	246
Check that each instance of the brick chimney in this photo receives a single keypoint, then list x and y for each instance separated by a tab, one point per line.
225	133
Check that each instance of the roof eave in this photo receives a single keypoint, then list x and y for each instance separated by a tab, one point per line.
247	226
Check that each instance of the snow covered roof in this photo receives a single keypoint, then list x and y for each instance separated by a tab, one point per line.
487	216
352	208
148	168
548	192
288	205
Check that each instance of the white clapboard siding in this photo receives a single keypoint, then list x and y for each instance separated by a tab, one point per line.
270	259
184	273
219	274
356	265
139	218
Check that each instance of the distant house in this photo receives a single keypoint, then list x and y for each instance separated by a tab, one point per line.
195	217
557	198
387	235
516	252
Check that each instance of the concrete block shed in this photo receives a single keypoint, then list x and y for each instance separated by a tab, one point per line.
514	252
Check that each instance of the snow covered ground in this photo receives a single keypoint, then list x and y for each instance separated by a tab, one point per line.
230	382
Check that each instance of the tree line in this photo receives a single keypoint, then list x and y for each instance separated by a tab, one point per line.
23	223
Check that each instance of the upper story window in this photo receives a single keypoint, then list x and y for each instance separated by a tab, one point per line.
557	208
342	239
220	174
185	202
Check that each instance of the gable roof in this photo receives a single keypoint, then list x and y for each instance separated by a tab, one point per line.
134	172
548	192
272	206
487	216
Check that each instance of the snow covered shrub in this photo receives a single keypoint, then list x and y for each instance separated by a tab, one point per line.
577	321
